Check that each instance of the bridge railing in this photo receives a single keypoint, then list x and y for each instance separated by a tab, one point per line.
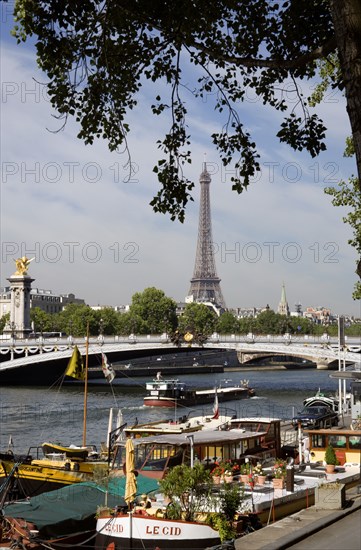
164	338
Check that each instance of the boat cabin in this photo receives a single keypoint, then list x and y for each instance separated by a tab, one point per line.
346	442
166	393
271	427
154	455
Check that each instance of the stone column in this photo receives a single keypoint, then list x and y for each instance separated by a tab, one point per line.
20	286
322	364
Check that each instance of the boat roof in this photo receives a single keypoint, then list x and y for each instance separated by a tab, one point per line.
223	389
206	437
335	430
165	381
259	419
189	425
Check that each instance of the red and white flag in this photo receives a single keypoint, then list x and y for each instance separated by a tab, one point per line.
108	370
215	405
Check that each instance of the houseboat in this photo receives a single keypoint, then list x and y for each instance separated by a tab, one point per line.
346	442
172	393
320	399
154	455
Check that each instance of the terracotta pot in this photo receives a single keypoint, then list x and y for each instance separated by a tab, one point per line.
330	468
228	478
278	483
261	480
244	478
216	480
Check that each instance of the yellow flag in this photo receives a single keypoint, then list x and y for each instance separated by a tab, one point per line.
75	366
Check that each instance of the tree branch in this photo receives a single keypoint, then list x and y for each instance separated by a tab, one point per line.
319	53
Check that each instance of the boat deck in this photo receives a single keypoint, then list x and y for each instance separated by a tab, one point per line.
263	499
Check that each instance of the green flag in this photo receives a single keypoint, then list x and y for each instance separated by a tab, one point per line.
75	366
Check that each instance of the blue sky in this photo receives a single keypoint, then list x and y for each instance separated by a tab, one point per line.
94	234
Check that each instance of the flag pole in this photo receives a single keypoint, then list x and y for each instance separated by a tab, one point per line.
86	383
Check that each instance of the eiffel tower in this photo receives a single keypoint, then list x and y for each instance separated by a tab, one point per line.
205	284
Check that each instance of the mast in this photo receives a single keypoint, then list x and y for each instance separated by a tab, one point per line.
86	383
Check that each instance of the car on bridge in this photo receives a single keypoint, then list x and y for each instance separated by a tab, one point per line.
315	417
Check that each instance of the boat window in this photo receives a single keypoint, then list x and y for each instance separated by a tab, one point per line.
354	442
253	443
140	455
318	441
338	441
250	426
119	457
153	457
271	430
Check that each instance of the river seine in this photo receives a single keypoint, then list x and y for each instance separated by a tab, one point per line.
34	415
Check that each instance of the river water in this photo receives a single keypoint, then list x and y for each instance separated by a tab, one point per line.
32	415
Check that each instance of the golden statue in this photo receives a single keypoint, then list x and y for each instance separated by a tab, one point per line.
22	265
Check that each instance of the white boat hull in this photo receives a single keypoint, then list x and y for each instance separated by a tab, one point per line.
128	531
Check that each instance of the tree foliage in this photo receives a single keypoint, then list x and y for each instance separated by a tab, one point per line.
42	321
155	310
197	318
73	320
3	321
346	194
146	319
227	323
190	487
99	53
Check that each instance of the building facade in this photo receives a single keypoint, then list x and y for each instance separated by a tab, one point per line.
46	300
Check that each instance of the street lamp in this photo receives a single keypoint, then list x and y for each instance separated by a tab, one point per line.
191	442
166	325
101	327
70	337
12	329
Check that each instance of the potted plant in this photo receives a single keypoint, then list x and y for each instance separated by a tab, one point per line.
217	473
259	474
279	474
227	474
251	479
330	459
245	469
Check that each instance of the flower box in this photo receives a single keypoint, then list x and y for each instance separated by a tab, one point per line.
261	480
278	483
